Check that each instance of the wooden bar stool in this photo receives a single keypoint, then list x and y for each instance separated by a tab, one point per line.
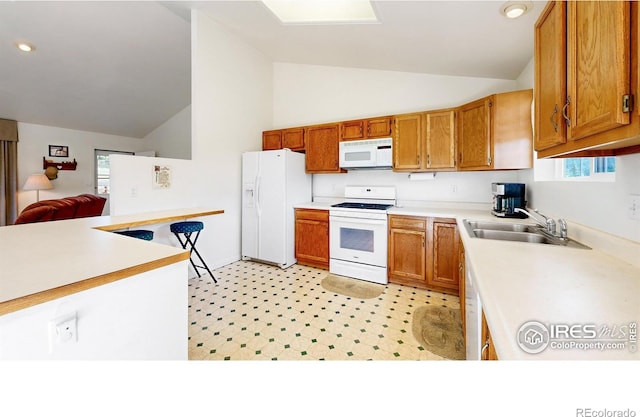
139	234
186	229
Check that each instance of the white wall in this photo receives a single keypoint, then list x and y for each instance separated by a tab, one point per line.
132	187
34	141
172	139
308	94
231	106
599	205
112	323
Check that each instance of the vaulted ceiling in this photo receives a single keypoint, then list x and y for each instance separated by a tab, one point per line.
124	67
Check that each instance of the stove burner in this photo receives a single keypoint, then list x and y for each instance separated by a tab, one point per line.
363	206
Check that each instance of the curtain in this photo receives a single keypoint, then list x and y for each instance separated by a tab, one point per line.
8	171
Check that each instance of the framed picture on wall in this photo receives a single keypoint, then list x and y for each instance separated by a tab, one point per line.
161	176
60	151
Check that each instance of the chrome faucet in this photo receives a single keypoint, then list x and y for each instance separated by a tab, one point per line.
563	228
549	224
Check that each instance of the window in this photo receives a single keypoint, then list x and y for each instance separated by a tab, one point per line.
103	172
590	169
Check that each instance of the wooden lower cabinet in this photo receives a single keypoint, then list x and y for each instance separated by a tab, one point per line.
423	252
461	290
407	250
312	237
442	250
488	352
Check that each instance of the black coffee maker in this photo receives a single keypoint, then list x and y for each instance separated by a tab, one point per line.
507	196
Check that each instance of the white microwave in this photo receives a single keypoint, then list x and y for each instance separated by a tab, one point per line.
371	153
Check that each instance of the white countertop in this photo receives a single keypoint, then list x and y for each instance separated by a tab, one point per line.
43	261
520	282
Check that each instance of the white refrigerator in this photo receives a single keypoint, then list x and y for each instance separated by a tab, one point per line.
272	183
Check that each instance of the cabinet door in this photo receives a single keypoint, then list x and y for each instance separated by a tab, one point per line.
407	254
407	142
312	238
322	152
550	75
443	244
599	61
488	352
462	289
352	130
271	140
293	139
441	139
379	128
475	135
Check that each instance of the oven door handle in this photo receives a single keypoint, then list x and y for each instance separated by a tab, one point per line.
356	220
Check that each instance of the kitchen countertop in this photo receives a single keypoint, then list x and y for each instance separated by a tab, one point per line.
520	282
40	262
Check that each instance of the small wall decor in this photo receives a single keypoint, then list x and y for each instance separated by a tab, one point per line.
59	151
161	176
64	165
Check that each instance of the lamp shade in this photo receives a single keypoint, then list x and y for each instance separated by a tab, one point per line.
37	182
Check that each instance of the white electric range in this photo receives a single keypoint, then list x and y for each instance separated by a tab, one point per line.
358	233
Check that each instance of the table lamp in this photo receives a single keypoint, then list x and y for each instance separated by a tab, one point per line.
37	182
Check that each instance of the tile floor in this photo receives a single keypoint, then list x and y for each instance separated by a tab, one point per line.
261	312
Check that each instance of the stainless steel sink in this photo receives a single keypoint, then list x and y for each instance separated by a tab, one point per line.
512	236
516	232
507	227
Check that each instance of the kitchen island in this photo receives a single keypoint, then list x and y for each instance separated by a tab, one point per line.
128	296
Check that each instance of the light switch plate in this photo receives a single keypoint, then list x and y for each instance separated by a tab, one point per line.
634	206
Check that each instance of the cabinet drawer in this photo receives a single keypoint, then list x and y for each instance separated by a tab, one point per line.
312	214
408	222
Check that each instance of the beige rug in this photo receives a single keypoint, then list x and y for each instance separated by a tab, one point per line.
351	287
439	330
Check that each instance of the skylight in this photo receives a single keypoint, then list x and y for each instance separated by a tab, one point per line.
322	11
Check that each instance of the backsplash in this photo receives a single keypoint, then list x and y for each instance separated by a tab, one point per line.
468	187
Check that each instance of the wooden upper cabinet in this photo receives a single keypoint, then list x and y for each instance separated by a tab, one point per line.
496	132
380	127
352	130
441	140
551	75
293	138
366	128
271	140
407	142
475	135
593	47
322	151
599	55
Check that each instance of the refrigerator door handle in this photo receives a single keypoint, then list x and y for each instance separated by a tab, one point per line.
257	196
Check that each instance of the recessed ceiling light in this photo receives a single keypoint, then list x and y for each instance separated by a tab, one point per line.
322	11
515	9
25	46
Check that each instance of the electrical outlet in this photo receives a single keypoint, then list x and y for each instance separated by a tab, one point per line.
63	330
634	207
454	189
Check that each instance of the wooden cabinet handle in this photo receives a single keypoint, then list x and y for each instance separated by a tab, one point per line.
564	111
484	349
